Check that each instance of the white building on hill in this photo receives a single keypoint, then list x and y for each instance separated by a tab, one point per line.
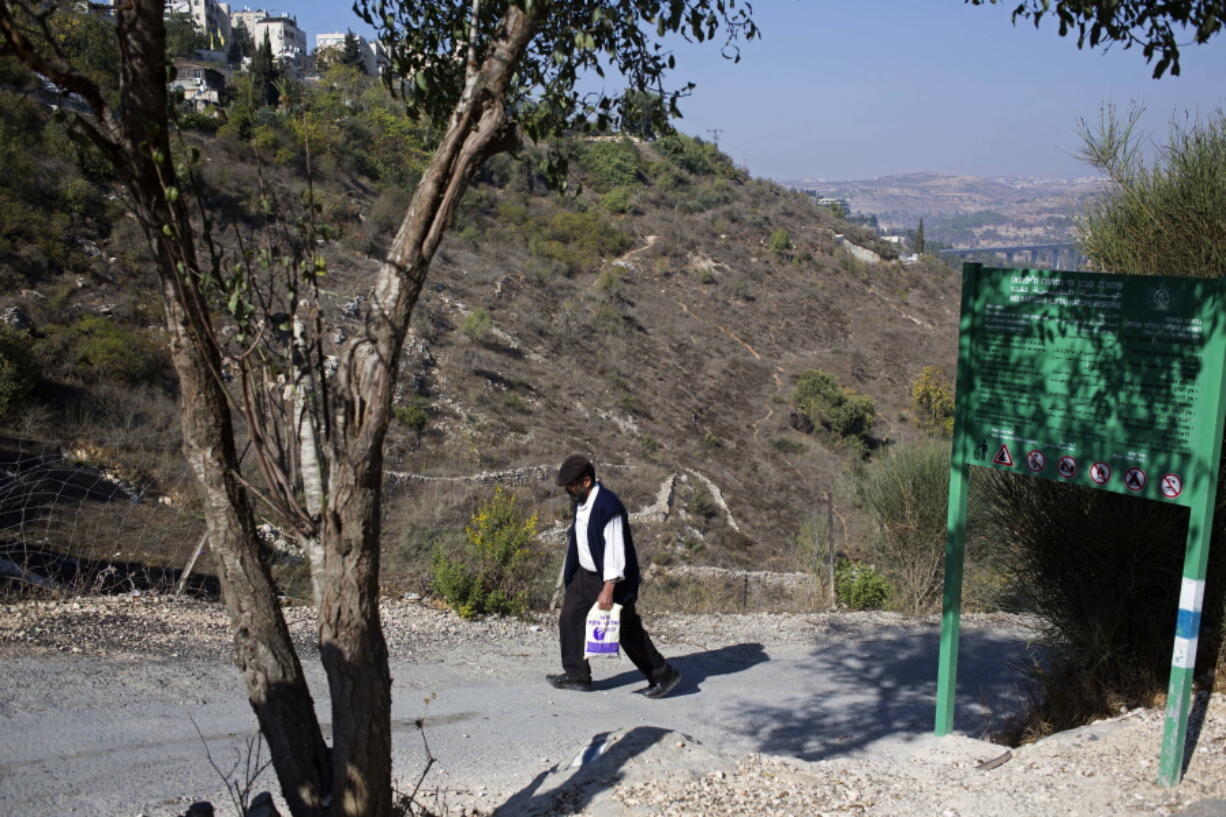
211	17
373	59
288	41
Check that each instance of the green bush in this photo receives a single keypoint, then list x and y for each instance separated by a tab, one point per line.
613	164
906	492
859	586
843	412
706	197
19	373
933	396
1160	219
695	156
494	572
99	349
477	325
786	446
578	241
779	242
415	414
619	200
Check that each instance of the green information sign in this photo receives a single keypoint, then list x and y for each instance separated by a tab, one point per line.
1112	382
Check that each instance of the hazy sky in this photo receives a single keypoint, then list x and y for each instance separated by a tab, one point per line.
850	89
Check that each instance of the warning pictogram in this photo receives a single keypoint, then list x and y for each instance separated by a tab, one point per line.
1067	467
1036	460
1100	472
1003	457
1135	479
1172	485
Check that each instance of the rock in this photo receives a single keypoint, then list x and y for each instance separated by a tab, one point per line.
262	806
202	809
15	317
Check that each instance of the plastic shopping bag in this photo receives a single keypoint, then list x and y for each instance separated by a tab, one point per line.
603	636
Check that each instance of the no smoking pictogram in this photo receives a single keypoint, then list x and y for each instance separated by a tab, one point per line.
1036	460
1067	467
1135	479
1172	485
1100	473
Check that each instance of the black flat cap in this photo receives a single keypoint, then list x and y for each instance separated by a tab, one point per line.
574	469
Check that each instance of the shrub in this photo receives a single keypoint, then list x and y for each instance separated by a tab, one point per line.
96	348
578	241
415	415
694	156
860	587
906	493
779	242
706	197
843	412
613	163
787	446
619	200
1162	219
493	573
702	505
933	397
19	373
477	324
1102	571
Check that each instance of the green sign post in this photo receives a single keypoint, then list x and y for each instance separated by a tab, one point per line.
1112	382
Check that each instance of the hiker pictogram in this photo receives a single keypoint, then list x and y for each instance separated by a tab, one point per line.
1003	457
1036	460
1100	472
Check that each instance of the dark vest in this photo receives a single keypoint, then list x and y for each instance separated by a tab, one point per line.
606	506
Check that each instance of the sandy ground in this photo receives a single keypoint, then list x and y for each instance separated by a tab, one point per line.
777	714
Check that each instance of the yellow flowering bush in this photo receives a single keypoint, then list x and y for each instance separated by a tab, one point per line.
493	573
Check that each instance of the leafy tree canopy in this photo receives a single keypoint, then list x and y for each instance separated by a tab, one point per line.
1150	24
431	43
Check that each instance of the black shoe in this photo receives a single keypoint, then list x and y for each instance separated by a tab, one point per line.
564	681
664	687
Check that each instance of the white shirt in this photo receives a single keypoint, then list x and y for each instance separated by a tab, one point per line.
614	541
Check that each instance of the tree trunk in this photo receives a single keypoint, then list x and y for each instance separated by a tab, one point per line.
351	635
263	649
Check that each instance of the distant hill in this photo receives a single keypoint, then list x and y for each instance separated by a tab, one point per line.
968	211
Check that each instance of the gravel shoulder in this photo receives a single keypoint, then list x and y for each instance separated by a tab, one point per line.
779	714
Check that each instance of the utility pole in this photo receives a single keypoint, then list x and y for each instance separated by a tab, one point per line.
715	132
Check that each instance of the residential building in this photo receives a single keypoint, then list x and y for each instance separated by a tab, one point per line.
201	84
248	18
373	59
288	41
211	17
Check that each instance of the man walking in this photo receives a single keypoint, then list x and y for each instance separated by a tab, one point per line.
602	568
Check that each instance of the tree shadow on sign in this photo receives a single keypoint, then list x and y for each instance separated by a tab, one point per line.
890	688
568	790
696	667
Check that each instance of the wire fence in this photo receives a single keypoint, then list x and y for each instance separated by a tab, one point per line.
82	518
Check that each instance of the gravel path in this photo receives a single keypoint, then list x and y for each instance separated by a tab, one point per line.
779	714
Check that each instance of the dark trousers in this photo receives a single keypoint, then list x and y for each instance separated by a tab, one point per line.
580	595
